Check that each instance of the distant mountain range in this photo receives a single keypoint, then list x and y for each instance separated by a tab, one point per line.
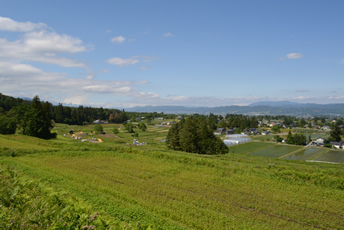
258	108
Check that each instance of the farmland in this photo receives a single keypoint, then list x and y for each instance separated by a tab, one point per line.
249	147
332	156
275	151
176	190
305	154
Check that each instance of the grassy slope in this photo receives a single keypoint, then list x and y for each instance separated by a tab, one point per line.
175	190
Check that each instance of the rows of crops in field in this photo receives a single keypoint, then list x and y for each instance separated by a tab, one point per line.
275	151
305	154
183	191
262	137
336	156
178	190
248	147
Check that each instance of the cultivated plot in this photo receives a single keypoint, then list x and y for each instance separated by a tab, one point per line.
248	147
275	151
305	154
262	137
335	156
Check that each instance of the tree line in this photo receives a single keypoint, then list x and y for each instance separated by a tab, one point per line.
82	114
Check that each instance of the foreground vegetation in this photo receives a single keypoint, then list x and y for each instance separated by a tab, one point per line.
172	189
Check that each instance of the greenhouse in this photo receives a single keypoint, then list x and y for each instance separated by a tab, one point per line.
236	141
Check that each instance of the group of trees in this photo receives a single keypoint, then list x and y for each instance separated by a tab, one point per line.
194	135
32	119
81	115
8	122
335	134
296	139
238	121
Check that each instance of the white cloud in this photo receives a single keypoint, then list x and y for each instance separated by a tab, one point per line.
29	80
144	58
119	39
144	68
121	62
294	55
8	24
281	58
90	77
42	46
104	71
168	34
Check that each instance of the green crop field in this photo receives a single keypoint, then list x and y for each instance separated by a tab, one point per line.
305	154
275	151
248	147
262	137
176	190
336	156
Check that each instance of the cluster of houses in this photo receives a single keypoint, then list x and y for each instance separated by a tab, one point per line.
251	131
320	142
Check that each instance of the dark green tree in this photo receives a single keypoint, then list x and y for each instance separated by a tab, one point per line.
188	136
129	127
98	128
302	122
8	124
335	134
142	126
172	139
115	130
35	120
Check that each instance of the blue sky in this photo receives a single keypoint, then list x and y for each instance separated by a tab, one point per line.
194	53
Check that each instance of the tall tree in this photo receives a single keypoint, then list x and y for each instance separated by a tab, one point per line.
335	133
35	120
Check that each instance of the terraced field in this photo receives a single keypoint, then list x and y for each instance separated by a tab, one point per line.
176	190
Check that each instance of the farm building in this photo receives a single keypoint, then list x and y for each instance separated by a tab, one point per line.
236	141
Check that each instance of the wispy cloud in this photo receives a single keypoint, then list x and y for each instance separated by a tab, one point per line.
119	39
144	68
104	71
8	24
122	62
107	31
302	91
168	35
294	55
291	56
131	39
144	58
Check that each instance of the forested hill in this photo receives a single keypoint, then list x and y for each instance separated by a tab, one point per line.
77	115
